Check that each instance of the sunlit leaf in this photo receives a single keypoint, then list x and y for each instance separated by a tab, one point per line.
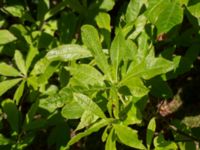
150	132
6	37
8	70
91	39
7	84
94	128
88	104
20	62
67	53
128	136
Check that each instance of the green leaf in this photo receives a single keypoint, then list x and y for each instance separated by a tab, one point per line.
88	104
107	4
87	75
194	9
8	70
4	140
150	132
94	128
15	10
117	50
155	7
136	87
31	54
12	113
72	110
86	119
169	18
43	79
67	53
103	21
42	8
19	92
90	38
133	10
128	136
7	84
19	60
6	37
161	144
111	141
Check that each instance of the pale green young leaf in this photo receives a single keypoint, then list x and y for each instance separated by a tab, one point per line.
150	132
87	75
7	84
94	128
40	66
86	119
20	62
15	10
88	104
133	115
169	18
128	136
107	4
72	110
111	141
117	50
6	37
136	87
8	70
103	21
91	39
12	113
195	8
68	52
19	92
155	7
4	140
133	10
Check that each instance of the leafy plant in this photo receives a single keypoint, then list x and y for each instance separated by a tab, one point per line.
72	68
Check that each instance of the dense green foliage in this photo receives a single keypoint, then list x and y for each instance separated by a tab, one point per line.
92	74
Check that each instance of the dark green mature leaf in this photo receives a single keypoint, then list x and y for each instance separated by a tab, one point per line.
117	50
7	84
91	39
150	132
68	52
6	37
42	8
128	136
8	70
94	128
88	104
12	114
